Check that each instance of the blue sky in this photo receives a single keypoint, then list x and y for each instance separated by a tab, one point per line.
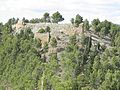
90	9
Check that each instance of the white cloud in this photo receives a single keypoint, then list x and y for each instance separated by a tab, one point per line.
90	9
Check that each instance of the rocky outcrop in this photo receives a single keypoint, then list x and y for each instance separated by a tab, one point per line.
59	31
20	25
62	31
44	37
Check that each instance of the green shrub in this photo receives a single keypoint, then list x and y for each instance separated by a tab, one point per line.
45	47
53	42
41	30
47	29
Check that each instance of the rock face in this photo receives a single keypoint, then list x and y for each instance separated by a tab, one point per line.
44	37
19	25
105	41
61	31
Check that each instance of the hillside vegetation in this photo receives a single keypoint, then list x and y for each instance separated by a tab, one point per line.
76	56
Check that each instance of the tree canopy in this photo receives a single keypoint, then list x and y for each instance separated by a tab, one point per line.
27	65
57	17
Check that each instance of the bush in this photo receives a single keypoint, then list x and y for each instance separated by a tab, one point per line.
36	20
72	21
47	29
45	47
53	42
41	30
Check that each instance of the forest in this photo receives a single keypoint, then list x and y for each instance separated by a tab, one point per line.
81	68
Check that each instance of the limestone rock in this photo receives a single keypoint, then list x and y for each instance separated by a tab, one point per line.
44	37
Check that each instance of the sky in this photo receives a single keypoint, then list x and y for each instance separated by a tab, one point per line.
88	9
